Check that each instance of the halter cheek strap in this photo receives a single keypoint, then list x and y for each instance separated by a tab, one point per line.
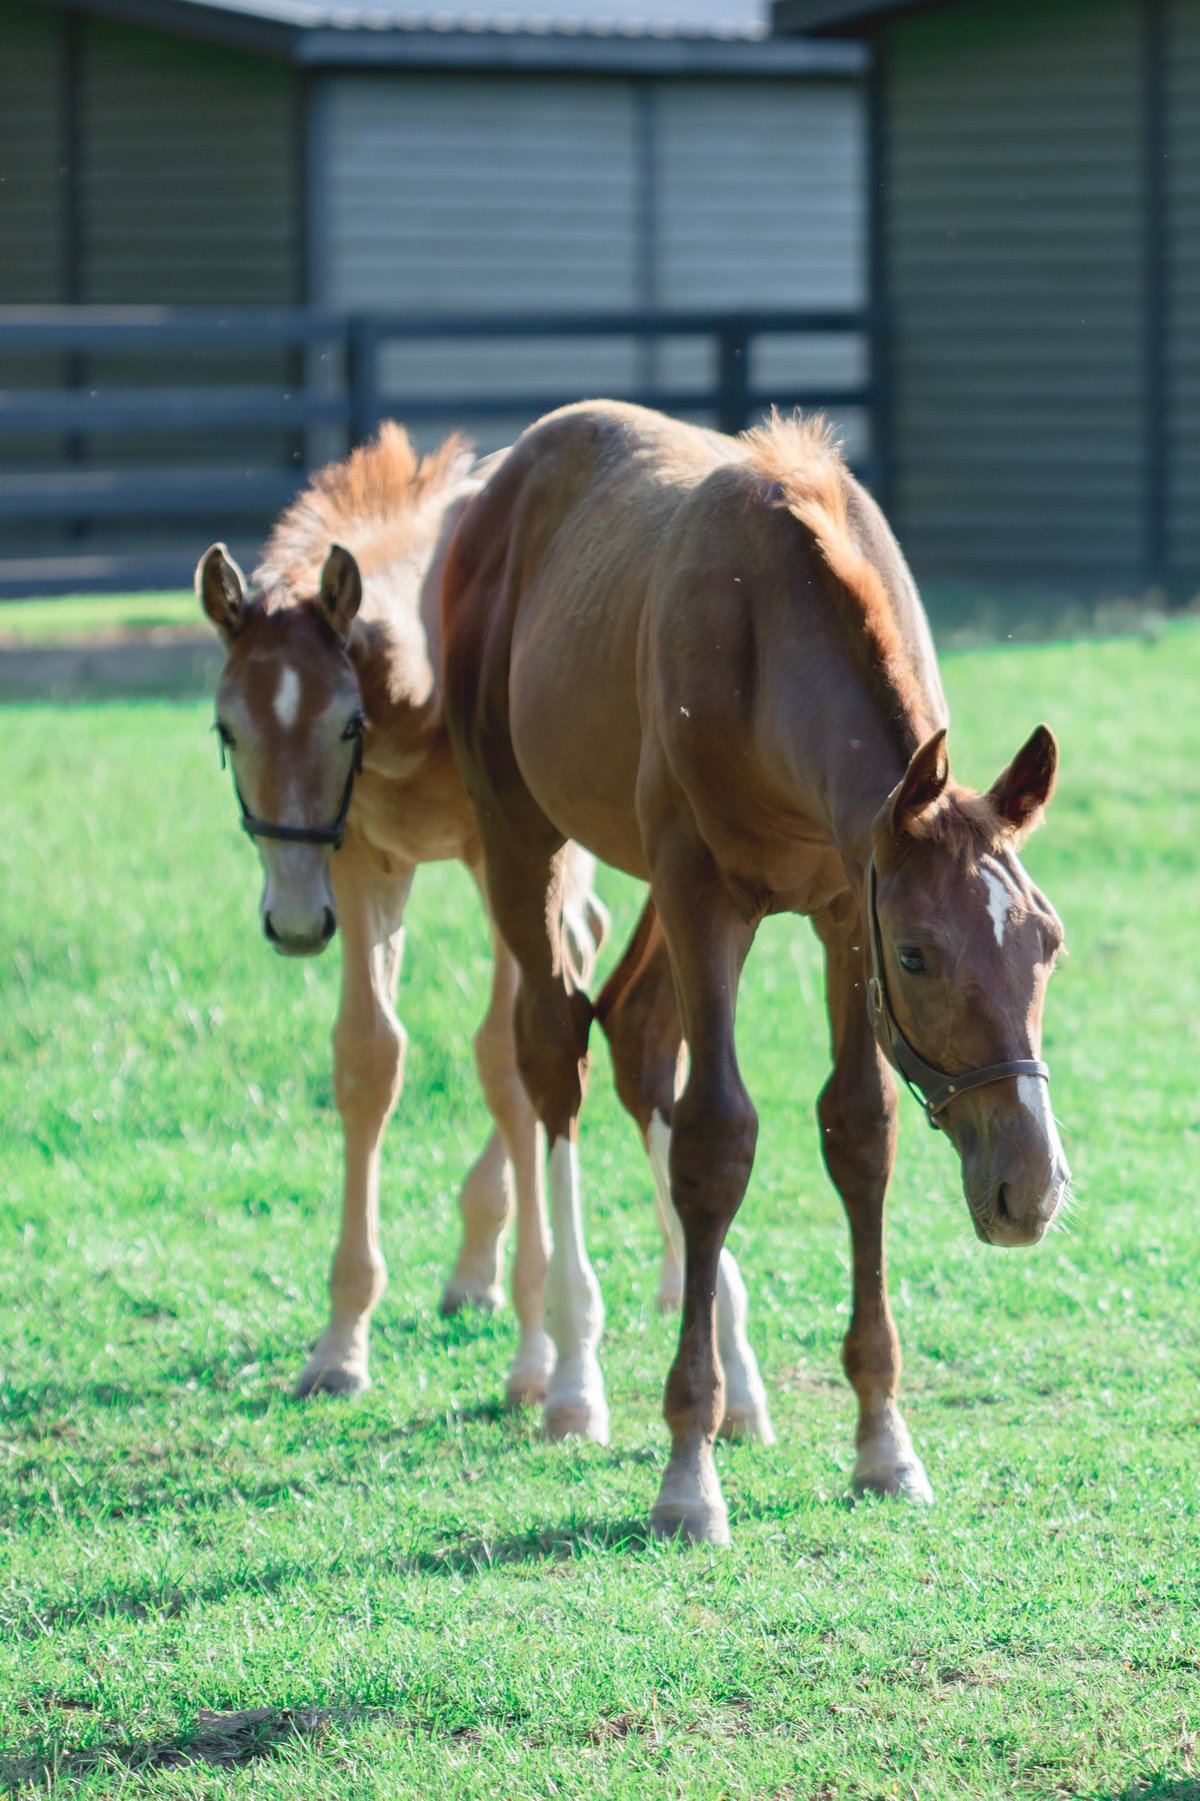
331	834
931	1087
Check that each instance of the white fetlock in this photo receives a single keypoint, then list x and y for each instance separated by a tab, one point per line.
748	1421
470	1291
690	1504
746	1414
337	1366
887	1464
575	1402
529	1377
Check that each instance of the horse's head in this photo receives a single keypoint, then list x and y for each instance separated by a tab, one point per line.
289	716
966	944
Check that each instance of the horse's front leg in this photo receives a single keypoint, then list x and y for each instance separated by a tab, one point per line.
857	1116
368	1071
714	1131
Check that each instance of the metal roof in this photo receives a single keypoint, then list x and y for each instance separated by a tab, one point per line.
651	36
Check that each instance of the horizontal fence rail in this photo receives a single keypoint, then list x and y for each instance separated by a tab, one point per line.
72	377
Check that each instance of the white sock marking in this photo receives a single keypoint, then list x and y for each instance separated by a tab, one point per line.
574	1308
287	698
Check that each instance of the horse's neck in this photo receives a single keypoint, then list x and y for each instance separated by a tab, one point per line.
863	754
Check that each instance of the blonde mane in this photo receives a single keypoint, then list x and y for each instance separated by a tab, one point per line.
377	502
803	458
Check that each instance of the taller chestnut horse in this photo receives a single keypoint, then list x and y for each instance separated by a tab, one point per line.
705	659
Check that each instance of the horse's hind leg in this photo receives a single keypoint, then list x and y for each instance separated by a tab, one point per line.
368	1069
526	872
857	1115
640	1017
520	1168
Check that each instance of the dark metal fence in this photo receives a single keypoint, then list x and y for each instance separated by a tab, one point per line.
337	395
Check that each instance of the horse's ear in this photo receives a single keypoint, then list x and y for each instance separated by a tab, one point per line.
221	591
341	590
1022	790
923	784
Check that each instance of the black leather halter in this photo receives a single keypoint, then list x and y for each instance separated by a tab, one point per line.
932	1088
306	834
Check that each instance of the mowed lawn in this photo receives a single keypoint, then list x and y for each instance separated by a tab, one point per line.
207	1589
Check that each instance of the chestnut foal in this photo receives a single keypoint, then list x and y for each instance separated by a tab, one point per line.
705	659
332	674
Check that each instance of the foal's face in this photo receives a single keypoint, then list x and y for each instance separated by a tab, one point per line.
289	713
969	944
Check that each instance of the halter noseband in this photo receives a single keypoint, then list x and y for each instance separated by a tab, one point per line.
932	1088
305	834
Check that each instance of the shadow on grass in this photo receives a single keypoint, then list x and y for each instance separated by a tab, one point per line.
222	1741
1155	1788
472	1556
467	1555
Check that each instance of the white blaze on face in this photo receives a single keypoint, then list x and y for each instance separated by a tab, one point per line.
1000	896
287	698
1034	1095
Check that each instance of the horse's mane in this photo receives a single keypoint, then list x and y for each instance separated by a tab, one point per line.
376	503
802	458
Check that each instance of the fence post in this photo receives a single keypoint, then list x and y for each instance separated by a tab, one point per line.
733	376
362	378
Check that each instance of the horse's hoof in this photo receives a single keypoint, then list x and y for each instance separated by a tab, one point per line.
576	1419
707	1523
327	1379
457	1295
748	1424
907	1482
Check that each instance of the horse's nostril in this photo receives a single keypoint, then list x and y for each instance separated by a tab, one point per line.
269	930
1002	1201
330	923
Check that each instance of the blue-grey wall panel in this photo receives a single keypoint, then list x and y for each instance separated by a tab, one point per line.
1015	264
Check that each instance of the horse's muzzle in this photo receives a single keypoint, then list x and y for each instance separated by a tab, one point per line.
293	944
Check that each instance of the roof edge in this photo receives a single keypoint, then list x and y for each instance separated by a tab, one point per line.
838	18
595	51
592	52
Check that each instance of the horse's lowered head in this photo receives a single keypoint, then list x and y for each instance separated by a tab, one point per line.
290	720
962	946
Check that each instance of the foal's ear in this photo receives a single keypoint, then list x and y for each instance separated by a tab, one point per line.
341	590
923	785
221	591
1022	790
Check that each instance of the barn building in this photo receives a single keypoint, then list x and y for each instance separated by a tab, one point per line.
1034	194
480	157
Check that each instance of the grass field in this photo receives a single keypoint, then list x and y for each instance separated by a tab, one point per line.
208	1590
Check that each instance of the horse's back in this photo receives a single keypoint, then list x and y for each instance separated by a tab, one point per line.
544	602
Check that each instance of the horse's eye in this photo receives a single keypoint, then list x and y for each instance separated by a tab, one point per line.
224	734
911	960
354	729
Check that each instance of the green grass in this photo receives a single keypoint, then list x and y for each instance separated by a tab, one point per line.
82	615
207	1590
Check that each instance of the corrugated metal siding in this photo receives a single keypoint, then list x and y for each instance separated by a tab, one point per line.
1016	277
32	140
476	194
464	194
190	171
1182	65
759	203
